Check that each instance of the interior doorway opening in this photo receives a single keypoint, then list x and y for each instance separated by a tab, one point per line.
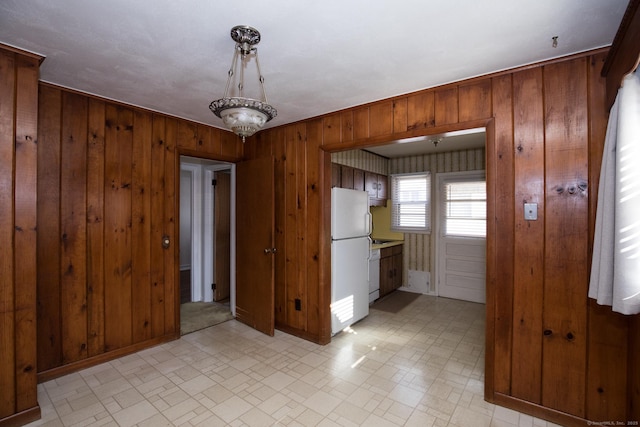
207	241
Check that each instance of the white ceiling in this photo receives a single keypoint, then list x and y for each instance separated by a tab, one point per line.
172	56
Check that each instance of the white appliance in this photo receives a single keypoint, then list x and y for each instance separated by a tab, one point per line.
374	275
350	247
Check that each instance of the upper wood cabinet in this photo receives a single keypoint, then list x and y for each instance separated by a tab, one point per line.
357	179
376	185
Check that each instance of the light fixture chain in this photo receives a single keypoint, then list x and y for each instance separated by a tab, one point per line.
234	61
261	79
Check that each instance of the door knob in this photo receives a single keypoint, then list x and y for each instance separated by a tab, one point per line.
270	250
166	241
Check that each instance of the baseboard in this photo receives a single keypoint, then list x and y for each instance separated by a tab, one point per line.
539	411
59	371
22	418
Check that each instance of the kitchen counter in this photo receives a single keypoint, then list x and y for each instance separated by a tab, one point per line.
385	243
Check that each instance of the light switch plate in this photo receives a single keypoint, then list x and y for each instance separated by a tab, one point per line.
530	211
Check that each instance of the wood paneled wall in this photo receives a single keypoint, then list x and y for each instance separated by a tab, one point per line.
18	156
550	352
107	176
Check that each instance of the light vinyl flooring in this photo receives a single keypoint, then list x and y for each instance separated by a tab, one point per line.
422	366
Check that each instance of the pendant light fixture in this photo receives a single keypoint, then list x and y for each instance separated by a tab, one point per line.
244	116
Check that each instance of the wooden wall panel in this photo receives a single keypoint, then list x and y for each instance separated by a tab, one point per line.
500	248
566	224
158	270
421	111
73	240
171	263
107	195
361	123
117	220
95	227
400	117
18	229
446	106
347	125
331	128
475	101
7	156
529	271
141	226
381	116
25	238
608	364
49	345
314	299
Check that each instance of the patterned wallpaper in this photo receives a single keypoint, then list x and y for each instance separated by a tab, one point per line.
417	251
362	160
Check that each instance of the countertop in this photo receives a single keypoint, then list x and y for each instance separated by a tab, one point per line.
386	244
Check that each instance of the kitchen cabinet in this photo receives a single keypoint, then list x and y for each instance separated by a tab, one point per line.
336	175
390	269
376	186
358	179
346	177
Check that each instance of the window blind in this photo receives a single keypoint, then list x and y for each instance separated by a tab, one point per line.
411	202
464	208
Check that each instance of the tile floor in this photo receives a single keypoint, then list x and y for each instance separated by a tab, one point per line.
422	366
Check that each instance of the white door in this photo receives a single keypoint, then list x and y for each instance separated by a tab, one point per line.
461	241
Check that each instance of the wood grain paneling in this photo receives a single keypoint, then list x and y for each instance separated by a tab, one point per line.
117	219
141	226
608	363
529	271
500	238
564	307
18	229
73	237
95	227
7	156
48	287
106	187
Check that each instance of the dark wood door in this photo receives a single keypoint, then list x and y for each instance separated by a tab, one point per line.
255	253
222	252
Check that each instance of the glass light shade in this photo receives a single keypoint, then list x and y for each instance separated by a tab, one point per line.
244	116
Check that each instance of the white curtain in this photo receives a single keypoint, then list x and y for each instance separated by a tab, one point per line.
615	270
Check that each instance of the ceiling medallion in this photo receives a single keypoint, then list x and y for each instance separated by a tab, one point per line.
244	116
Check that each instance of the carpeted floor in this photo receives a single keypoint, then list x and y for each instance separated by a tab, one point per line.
395	301
199	315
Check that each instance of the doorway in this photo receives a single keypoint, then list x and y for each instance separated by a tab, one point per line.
461	229
207	238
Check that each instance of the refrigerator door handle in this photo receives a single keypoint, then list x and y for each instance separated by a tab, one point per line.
369	224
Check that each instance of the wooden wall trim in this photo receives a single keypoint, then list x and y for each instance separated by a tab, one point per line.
624	54
22	418
103	357
22	52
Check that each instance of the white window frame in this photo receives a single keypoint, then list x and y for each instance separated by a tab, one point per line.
395	205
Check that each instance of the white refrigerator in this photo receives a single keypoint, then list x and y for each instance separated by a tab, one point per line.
350	248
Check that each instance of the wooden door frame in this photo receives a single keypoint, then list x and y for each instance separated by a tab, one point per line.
491	240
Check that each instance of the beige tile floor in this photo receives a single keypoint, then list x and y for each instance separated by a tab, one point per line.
422	366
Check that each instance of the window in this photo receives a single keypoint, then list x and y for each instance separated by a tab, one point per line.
411	202
464	208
